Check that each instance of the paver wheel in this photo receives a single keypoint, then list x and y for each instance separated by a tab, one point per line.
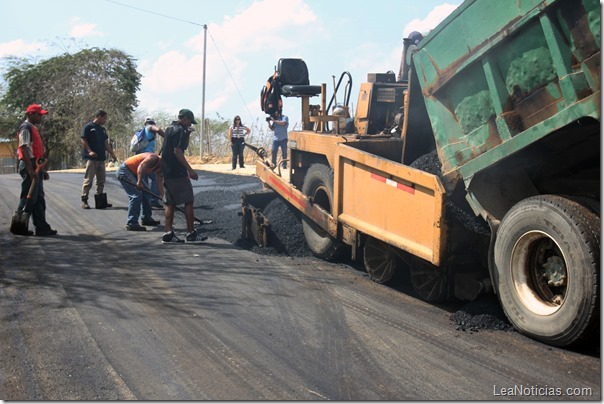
431	283
547	257
318	184
382	261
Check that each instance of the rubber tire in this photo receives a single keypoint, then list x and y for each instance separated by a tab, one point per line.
318	183
382	261
431	284
576	231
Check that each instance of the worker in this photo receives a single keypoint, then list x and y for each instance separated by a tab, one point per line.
279	123
95	143
131	174
177	174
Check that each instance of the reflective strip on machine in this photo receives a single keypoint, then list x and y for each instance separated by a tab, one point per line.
393	183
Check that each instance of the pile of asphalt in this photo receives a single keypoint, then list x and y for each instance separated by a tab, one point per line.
484	313
456	210
220	201
285	235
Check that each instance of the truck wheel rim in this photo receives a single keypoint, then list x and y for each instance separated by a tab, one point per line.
539	273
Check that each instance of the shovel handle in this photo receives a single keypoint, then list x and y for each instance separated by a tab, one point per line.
149	192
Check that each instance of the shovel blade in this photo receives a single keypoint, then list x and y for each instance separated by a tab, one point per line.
20	223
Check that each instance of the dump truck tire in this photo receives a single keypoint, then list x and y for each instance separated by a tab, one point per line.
547	257
318	184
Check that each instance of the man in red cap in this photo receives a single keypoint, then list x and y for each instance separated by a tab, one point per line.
30	150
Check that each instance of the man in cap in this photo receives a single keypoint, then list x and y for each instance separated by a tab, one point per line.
151	132
31	149
177	175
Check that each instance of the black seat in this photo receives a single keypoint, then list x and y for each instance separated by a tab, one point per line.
293	79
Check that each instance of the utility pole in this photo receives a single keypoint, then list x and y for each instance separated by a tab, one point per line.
203	94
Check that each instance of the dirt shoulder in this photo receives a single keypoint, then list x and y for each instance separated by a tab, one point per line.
249	169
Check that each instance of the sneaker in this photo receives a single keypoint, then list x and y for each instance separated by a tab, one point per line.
135	227
170	237
46	232
85	205
150	222
242	167
194	238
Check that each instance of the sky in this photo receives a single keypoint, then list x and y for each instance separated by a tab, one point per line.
243	42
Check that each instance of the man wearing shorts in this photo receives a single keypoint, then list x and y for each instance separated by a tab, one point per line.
177	175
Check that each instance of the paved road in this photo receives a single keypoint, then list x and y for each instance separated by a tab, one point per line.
98	313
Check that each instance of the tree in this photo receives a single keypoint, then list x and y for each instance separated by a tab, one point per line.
73	87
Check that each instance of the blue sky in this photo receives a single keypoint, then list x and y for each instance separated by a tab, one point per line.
245	39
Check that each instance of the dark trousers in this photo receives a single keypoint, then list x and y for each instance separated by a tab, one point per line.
237	149
37	203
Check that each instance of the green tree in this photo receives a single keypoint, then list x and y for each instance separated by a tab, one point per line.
73	87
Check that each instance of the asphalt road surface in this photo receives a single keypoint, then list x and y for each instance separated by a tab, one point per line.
99	313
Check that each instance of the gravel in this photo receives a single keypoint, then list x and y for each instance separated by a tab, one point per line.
484	313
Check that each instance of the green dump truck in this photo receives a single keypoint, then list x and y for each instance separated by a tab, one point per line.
504	96
512	91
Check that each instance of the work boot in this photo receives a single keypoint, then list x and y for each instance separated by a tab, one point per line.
107	205
100	201
150	222
135	227
46	232
85	204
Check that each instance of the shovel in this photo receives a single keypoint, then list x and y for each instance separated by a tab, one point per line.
20	221
147	191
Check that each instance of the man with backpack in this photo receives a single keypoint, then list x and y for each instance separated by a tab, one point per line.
144	141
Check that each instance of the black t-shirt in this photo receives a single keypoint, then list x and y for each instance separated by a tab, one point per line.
95	136
175	137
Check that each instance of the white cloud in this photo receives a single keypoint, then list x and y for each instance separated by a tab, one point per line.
19	47
433	18
83	29
232	45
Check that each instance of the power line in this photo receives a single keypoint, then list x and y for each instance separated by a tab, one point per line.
152	12
231	76
200	25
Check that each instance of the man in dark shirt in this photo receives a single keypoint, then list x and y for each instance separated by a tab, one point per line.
177	175
94	144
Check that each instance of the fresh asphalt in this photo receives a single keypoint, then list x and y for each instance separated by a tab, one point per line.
99	313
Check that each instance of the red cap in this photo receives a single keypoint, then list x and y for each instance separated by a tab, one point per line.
33	108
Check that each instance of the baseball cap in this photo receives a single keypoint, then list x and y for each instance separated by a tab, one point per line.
149	121
33	108
187	113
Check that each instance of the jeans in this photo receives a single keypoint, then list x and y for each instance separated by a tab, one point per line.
136	197
275	150
237	149
150	180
